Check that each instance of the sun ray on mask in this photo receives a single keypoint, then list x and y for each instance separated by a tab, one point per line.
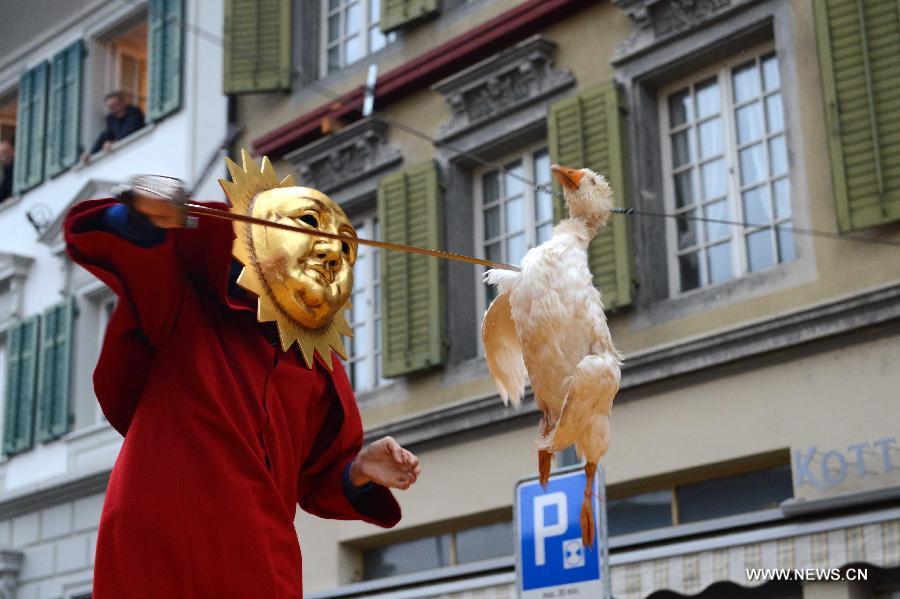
247	181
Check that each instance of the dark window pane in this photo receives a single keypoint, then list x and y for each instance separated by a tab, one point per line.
402	558
484	542
690	271
639	512
491	184
687	230
732	495
680	108
684	189
681	149
492	222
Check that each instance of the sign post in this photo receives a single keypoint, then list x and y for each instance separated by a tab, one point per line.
550	558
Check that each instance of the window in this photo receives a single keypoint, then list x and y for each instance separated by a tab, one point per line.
644	511
511	216
352	32
458	547
127	65
704	500
736	494
38	371
105	308
365	315
725	158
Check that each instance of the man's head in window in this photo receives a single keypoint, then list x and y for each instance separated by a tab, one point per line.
115	104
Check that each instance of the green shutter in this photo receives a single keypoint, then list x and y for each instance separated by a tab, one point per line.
257	49
165	51
398	13
64	111
21	376
860	68
30	128
409	212
588	130
55	371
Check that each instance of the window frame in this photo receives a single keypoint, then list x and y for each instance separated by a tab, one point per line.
364	34
106	300
371	288
722	72
531	223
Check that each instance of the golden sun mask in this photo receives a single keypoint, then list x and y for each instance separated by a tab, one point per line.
302	281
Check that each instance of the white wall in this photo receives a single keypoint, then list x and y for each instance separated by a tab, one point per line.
179	146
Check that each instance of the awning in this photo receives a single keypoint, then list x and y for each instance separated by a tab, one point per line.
688	567
691	566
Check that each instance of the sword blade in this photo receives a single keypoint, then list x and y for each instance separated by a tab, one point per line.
200	210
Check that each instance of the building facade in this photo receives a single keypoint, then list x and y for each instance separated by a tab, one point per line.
757	423
58	61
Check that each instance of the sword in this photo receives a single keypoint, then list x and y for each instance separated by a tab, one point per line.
195	209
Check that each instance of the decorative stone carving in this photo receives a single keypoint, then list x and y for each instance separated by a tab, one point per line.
345	157
10	566
509	81
654	20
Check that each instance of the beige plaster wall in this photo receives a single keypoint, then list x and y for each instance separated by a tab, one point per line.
835	268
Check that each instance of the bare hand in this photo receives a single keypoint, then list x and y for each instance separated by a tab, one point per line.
386	463
161	212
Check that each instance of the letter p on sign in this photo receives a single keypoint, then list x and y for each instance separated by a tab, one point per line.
542	530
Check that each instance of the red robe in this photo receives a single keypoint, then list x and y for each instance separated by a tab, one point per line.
224	432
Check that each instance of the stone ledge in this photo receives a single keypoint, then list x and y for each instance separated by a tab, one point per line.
53	492
828	319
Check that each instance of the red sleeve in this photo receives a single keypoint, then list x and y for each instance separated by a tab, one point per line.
150	282
320	487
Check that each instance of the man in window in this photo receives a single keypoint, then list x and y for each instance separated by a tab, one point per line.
7	153
227	427
122	119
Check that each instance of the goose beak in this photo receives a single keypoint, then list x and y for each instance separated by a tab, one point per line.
569	178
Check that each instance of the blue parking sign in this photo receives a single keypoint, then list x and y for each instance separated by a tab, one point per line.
551	560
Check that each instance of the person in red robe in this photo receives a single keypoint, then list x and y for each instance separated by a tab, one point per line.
224	433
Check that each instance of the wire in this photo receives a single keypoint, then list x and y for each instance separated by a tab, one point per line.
757	226
543	188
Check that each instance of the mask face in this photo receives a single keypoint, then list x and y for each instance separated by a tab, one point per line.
302	282
310	278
